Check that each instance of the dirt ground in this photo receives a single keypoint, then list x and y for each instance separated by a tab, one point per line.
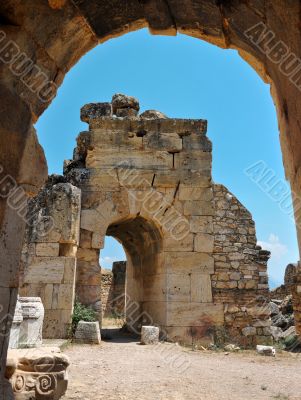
121	369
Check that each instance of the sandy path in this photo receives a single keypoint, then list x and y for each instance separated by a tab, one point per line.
119	370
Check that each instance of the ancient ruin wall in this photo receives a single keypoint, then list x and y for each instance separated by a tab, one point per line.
49	254
240	280
215	276
55	34
287	288
194	267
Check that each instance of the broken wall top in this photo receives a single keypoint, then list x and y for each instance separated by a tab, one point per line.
118	123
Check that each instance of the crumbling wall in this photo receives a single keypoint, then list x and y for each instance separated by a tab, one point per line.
287	288
194	267
49	253
55	34
240	280
132	169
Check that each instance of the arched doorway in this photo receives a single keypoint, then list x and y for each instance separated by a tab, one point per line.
145	278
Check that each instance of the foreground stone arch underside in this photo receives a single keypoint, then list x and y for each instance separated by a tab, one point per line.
53	35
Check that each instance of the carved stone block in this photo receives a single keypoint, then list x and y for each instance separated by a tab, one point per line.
36	375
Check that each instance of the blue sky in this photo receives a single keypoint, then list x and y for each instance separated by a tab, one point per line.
186	78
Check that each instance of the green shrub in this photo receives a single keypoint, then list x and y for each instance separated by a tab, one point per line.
81	313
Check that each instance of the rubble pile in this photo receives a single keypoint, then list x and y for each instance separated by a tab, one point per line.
283	323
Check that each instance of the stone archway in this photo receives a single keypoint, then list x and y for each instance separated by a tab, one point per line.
143	244
194	267
51	37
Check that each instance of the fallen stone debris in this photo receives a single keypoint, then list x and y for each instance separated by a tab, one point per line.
150	335
283	327
266	350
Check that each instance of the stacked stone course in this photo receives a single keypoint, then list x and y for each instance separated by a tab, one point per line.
49	254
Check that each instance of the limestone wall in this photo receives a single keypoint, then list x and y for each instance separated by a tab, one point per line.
193	264
240	280
138	174
49	260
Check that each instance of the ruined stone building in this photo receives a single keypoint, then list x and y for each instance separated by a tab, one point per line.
193	264
55	34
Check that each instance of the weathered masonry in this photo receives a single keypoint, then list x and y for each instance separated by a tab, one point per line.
113	290
193	264
55	34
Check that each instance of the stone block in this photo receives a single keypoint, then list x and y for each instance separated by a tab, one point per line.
110	139
156	311
249	331
135	179
194	314
69	270
195	193
97	240
32	325
47	249
85	239
201	224
54	326
162	141
61	203
152	114
88	273
154	287
90	220
141	160
198	142
203	243
122	101
198	207
45	270
98	182
201	290
66	297
189	262
178	287
88	332
251	284
68	250
194	160
187	177
39	374
89	255
95	110
126	113
174	244
14	337
48	295
226	285
149	335
88	294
